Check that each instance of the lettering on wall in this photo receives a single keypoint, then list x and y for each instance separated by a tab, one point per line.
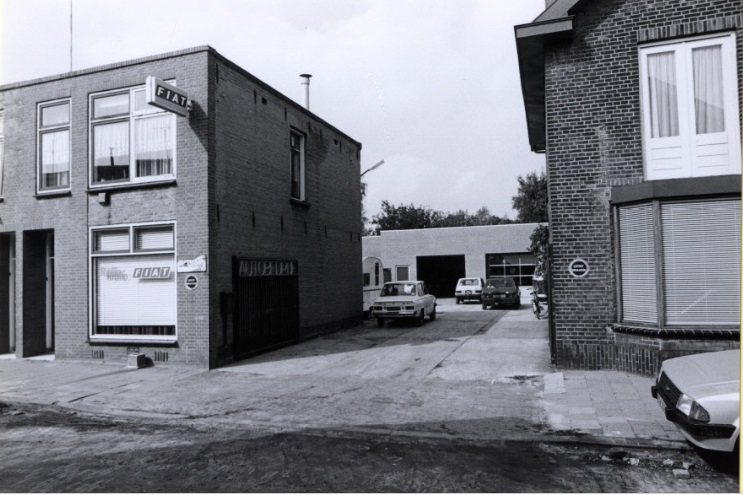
267	268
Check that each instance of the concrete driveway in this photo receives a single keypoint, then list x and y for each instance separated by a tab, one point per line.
471	374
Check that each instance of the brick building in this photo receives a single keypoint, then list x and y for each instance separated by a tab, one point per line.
637	107
193	232
441	256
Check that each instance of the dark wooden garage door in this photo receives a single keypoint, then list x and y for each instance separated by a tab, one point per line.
267	305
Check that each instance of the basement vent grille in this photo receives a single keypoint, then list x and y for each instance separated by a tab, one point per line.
98	354
161	356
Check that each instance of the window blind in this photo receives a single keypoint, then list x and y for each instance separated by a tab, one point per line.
130	294
701	246
637	250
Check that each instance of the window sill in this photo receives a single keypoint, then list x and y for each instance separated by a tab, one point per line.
53	194
172	342
129	185
675	188
707	333
299	202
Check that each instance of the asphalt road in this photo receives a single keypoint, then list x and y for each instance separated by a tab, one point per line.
47	449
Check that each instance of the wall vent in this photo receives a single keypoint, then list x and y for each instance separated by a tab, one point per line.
161	356
97	353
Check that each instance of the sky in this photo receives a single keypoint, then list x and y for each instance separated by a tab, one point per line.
429	86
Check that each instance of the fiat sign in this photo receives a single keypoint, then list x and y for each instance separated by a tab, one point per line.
166	96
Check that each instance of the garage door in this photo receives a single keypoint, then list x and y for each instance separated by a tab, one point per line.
266	306
441	273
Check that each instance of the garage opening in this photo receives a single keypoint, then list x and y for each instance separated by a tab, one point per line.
267	305
441	273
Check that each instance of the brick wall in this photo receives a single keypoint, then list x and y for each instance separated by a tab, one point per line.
252	215
70	215
594	143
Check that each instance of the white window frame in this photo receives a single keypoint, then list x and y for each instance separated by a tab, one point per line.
302	178
128	253
131	118
41	131
690	154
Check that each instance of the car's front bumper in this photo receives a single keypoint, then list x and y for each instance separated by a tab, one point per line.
706	435
403	312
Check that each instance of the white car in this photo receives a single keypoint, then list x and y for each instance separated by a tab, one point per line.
700	393
404	300
468	288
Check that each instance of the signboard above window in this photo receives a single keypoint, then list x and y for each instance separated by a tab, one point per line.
166	96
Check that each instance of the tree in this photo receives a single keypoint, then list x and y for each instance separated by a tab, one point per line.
404	217
531	200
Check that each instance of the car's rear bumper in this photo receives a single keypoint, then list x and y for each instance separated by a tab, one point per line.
501	300
460	295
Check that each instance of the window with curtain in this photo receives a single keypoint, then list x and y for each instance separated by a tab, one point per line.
690	108
696	244
54	146
132	141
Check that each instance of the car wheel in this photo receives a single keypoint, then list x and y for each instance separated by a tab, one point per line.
484	306
421	317
380	322
458	301
433	313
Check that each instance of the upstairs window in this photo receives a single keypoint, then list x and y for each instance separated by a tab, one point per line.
296	145
690	108
132	141
54	146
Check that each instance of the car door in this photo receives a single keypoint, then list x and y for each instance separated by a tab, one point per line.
426	298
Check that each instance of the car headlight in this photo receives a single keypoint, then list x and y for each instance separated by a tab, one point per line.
692	409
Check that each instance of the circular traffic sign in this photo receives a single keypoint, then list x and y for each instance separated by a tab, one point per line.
191	282
578	268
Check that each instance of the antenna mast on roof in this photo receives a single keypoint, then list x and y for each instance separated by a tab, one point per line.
70	35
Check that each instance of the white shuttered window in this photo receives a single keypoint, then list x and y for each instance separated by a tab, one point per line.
637	250
701	262
134	282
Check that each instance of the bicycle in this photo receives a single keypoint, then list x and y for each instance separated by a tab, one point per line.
539	304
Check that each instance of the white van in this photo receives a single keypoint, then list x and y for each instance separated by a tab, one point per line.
469	288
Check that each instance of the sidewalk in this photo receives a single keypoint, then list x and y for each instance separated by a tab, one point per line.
442	381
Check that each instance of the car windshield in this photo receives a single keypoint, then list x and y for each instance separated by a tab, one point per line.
501	282
468	281
398	290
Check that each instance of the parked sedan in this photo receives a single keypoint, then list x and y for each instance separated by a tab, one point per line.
404	300
500	291
700	393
